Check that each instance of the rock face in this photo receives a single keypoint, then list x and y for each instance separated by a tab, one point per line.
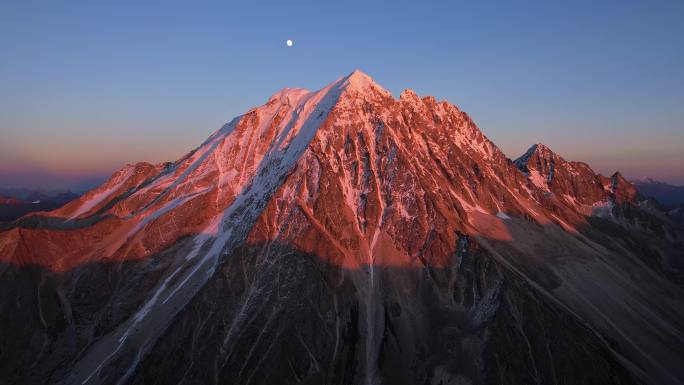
346	237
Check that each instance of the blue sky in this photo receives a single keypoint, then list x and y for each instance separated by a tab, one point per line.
87	86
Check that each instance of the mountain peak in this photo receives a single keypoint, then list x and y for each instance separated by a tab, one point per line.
409	95
541	149
358	75
357	81
618	175
522	161
646	180
362	83
622	189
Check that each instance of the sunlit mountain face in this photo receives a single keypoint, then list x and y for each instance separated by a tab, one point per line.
344	236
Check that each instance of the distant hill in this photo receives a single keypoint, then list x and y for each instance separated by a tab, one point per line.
17	202
10	201
665	193
671	197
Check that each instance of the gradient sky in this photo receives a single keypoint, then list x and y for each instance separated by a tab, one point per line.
87	86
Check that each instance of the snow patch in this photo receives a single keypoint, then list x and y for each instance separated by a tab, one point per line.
602	209
538	180
502	215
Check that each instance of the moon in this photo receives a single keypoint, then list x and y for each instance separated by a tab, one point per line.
289	43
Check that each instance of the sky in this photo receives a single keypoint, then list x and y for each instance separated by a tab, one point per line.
88	86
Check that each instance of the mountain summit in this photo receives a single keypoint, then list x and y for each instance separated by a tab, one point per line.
344	236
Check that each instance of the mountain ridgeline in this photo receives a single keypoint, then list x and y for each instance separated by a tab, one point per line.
344	236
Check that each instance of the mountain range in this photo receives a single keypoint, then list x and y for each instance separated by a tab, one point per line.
17	202
665	193
345	236
671	197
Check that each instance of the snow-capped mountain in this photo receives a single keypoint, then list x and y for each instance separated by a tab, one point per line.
344	236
